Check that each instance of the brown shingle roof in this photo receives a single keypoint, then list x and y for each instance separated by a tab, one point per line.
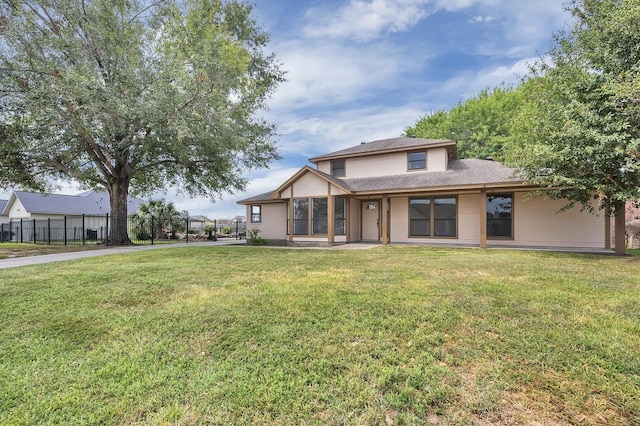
460	173
388	145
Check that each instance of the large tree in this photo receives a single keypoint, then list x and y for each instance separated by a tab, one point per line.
133	96
578	133
480	124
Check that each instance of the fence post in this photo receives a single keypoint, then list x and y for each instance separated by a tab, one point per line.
1	232
83	231
49	230
153	228
187	220
106	240
21	228
65	229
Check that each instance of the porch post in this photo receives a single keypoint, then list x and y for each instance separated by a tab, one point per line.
291	215
384	212
331	213
483	219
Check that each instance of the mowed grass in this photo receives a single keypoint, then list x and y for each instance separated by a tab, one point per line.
391	335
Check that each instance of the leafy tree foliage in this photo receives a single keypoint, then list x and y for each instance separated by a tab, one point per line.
159	216
480	125
578	134
133	95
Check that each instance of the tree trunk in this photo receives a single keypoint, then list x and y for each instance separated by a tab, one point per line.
118	192
620	247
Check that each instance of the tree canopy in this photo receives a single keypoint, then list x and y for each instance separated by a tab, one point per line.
133	96
578	133
480	124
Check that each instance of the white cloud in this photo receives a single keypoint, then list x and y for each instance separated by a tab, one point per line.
468	84
481	19
322	74
364	20
327	132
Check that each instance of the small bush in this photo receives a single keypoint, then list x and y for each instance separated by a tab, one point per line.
255	238
633	231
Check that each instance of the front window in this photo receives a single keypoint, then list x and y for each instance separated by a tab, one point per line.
338	168
420	217
444	217
301	216
433	216
417	160
310	216
319	217
256	214
500	216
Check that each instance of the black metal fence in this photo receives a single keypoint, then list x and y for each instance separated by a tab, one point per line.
87	229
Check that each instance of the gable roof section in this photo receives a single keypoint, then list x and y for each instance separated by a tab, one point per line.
461	173
3	204
389	145
90	203
303	171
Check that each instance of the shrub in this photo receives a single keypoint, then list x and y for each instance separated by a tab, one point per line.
633	231
255	238
210	230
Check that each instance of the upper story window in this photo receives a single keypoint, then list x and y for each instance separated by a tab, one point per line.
338	168
417	160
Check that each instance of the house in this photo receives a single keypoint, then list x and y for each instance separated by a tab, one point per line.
29	214
36	205
3	217
411	190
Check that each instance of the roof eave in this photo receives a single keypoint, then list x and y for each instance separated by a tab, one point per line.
521	185
250	201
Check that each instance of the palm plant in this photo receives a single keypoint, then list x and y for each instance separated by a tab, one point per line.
157	216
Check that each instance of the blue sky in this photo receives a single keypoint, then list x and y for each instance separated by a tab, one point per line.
361	70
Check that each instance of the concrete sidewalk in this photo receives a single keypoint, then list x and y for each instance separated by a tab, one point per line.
61	257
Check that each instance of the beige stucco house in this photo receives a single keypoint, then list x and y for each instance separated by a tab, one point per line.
410	190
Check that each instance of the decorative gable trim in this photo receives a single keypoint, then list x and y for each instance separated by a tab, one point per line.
277	194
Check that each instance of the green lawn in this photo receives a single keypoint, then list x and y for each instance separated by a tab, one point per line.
391	335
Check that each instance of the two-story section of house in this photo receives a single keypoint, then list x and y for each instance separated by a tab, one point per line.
411	190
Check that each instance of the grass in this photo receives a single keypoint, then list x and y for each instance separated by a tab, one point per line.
391	335
10	250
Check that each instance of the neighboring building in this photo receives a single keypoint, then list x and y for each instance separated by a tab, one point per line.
410	190
31	215
3	217
198	223
36	205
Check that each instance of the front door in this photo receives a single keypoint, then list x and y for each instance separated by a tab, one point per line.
371	221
